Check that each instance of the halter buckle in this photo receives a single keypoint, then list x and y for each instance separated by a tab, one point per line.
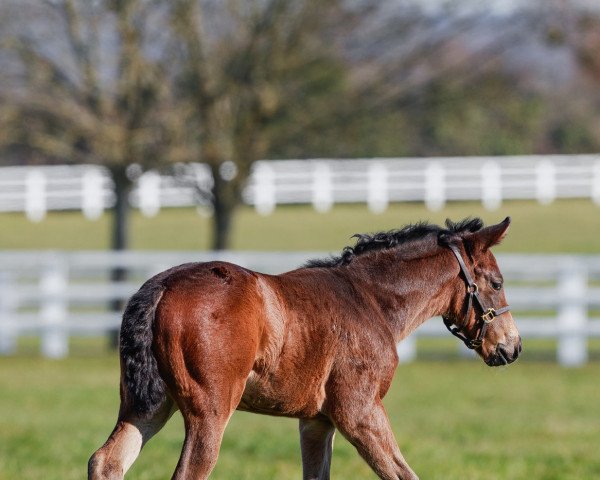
489	315
473	288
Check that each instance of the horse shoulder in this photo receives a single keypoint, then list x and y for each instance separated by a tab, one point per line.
272	325
366	357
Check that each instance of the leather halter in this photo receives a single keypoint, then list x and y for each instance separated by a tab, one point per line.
488	315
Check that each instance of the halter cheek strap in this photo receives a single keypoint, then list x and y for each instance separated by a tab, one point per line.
488	315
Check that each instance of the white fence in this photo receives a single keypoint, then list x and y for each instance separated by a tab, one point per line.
56	295
320	182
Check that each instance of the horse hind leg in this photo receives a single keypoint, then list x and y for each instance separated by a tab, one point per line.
206	414
132	431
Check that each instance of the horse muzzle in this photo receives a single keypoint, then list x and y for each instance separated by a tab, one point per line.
503	354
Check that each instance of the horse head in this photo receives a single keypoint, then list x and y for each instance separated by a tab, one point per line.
478	313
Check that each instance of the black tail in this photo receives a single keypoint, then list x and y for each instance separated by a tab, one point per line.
142	384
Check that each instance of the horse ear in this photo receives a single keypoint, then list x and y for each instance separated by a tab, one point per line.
489	236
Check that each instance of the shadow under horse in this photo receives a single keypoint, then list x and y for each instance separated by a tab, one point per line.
317	343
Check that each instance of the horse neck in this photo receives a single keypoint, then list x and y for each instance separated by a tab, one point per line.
409	289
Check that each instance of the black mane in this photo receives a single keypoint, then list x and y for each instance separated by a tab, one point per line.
394	238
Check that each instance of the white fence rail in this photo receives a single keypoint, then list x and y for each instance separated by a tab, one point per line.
320	182
55	295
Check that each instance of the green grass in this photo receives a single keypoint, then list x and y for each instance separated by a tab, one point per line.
453	420
564	226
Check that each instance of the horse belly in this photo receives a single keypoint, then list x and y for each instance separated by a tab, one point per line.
280	398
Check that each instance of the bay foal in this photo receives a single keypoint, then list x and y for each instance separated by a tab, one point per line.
317	343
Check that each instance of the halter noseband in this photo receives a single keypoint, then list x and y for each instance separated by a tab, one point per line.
488	315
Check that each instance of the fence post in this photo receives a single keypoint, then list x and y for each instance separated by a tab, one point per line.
322	188
491	185
407	349
264	188
92	194
596	183
572	316
435	186
149	193
54	308
35	195
377	189
8	332
545	182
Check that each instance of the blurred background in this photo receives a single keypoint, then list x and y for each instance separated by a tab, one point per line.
140	134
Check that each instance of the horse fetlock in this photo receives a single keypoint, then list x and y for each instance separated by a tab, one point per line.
101	469
409	477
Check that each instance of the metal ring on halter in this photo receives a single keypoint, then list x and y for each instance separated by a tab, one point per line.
489	315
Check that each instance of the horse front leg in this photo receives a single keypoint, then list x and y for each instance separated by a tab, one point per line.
316	444
371	434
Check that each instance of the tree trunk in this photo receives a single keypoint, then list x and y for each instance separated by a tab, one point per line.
119	237
120	226
224	203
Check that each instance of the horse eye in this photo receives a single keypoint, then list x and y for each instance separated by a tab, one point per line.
497	285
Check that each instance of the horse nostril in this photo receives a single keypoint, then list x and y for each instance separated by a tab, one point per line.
508	354
501	353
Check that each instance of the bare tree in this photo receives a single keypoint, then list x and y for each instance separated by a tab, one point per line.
86	86
236	62
150	82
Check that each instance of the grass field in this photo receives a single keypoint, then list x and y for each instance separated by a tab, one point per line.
453	420
564	226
